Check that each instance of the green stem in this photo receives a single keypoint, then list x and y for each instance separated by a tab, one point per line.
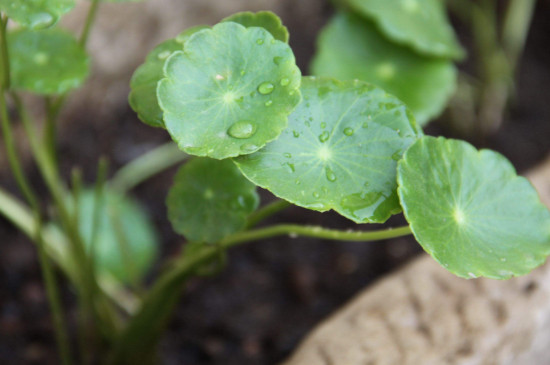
50	131
4	59
146	166
133	346
90	18
516	27
62	338
267	211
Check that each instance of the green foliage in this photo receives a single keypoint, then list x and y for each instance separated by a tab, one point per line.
47	61
351	48
339	152
264	19
230	92
143	94
470	211
126	243
419	24
36	14
209	200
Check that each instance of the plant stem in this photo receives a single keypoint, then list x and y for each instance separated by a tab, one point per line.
52	290
516	27
133	346
50	130
90	18
4	59
266	211
146	166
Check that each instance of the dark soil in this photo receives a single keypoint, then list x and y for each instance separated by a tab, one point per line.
272	292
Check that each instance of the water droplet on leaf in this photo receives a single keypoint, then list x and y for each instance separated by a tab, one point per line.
249	147
285	82
163	55
268	103
266	88
259	41
348	131
277	60
323	137
316	195
330	174
242	129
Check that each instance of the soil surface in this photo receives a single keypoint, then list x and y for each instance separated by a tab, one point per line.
272	292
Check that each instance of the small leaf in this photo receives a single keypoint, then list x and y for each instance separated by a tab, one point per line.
230	92
126	260
265	19
209	200
143	94
36	14
419	24
46	62
470	211
350	48
339	151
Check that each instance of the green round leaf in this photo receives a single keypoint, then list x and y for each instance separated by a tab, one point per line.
46	62
265	19
126	243
339	152
419	24
470	211
229	92
350	48
143	94
36	13
209	200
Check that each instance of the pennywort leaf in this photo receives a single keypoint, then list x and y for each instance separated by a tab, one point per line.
127	243
419	24
229	92
209	200
470	211
143	94
46	62
264	19
350	48
36	14
339	151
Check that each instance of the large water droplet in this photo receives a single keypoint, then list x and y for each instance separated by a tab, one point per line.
285	82
348	131
249	147
259	41
242	129
323	137
266	88
330	174
41	20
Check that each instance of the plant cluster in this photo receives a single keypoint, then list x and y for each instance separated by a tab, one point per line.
232	97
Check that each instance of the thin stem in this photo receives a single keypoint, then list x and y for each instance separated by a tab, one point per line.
4	59
133	346
90	18
267	211
62	338
516	27
50	131
314	232
146	166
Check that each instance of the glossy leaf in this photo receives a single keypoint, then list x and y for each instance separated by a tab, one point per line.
126	244
350	48
470	211
230	92
419	24
265	19
143	94
339	151
36	14
47	61
209	200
